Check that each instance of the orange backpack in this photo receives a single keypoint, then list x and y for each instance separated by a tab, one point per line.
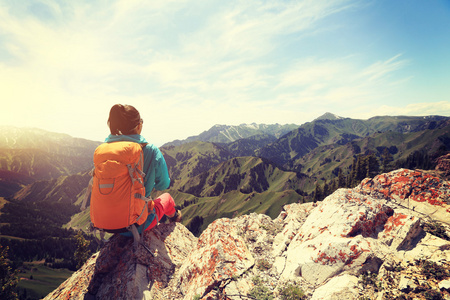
118	194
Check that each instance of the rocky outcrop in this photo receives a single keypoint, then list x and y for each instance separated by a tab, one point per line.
386	238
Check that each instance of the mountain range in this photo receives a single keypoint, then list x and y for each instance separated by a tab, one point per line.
287	150
227	171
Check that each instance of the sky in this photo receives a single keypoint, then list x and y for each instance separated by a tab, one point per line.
188	65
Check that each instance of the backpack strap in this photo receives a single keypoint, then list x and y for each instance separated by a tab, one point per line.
131	171
136	236
135	169
102	233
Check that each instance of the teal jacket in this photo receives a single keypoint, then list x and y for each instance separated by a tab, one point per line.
155	167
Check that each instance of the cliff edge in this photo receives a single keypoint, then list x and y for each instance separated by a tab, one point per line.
387	238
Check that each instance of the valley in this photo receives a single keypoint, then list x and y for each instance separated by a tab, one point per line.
257	168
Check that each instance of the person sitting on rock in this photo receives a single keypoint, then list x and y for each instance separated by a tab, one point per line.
125	124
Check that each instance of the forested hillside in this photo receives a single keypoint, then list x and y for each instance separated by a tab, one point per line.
392	150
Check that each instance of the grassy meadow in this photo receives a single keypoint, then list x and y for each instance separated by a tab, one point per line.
39	280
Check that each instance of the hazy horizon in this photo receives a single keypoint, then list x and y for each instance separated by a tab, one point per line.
206	129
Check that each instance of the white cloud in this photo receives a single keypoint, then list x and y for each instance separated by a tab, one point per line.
186	65
382	69
312	71
338	81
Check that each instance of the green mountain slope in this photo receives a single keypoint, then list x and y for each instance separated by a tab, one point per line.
232	204
11	182
323	161
43	206
64	189
249	146
191	159
244	174
239	186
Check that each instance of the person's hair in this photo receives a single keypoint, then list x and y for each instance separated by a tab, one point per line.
123	119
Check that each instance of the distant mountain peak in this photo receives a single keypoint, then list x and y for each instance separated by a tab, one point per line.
329	116
220	133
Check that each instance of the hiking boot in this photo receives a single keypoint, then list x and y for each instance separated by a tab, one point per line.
176	217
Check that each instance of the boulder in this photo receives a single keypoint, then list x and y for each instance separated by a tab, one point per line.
338	235
219	255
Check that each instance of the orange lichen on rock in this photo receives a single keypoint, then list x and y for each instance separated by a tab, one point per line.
407	184
346	257
369	226
394	221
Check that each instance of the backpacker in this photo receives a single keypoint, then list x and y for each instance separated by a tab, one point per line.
118	201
